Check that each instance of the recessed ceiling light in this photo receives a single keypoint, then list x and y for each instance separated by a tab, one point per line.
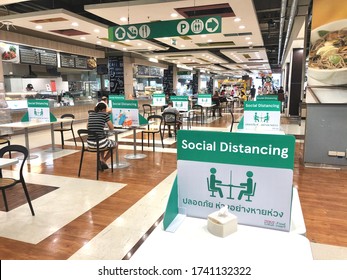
182	46
124	49
74	23
203	36
39	27
237	19
250	43
248	38
82	38
173	15
242	27
113	45
139	44
96	30
127	40
149	47
98	42
124	19
209	40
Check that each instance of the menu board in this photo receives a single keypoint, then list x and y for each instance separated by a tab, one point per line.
81	62
67	60
76	61
37	56
116	71
168	80
28	55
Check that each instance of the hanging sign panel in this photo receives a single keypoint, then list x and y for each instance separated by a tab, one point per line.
160	29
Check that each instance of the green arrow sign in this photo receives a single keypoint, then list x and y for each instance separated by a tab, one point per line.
151	30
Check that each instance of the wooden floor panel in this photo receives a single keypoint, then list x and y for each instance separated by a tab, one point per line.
322	192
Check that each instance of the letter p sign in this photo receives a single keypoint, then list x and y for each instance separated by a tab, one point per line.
183	27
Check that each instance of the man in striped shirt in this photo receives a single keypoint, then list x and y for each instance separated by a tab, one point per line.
97	121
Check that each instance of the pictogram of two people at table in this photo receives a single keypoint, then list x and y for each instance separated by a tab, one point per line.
215	186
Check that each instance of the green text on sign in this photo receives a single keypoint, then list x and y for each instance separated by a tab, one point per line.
151	30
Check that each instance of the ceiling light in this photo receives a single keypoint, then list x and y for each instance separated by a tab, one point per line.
182	46
39	27
83	38
248	38
123	19
139	44
149	47
203	36
242	27
74	23
113	45
152	59
166	38
173	15
96	30
209	40
98	42
124	49
237	19
250	43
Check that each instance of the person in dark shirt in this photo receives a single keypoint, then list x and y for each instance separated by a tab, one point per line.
252	92
216	100
96	123
281	97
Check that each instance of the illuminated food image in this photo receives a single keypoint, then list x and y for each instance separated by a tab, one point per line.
327	65
91	63
10	54
329	52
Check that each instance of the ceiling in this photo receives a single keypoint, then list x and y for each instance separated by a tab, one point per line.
250	40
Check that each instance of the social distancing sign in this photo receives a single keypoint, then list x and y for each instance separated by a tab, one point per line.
252	174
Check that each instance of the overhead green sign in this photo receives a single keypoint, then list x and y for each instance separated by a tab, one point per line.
169	28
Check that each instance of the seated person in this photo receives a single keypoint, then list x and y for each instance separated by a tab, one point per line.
96	122
171	109
216	101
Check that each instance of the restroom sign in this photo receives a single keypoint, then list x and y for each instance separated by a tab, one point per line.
170	28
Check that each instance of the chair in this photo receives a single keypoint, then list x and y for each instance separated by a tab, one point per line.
147	110
189	117
154	127
5	140
83	134
213	190
66	127
171	119
232	120
251	194
6	183
199	112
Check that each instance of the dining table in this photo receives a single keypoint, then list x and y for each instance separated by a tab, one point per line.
5	162
35	124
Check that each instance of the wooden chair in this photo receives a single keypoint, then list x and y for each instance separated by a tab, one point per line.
83	134
171	119
6	183
66	127
4	139
147	110
199	112
154	127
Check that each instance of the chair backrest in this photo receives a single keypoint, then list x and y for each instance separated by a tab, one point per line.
85	132
71	116
198	107
157	119
147	108
18	149
169	117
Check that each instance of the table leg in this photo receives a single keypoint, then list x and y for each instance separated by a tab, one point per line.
135	155
26	137
119	164
53	148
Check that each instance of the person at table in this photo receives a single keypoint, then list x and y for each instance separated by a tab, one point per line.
104	99
248	185
96	123
171	109
216	101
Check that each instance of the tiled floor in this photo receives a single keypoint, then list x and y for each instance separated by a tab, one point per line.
76	195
